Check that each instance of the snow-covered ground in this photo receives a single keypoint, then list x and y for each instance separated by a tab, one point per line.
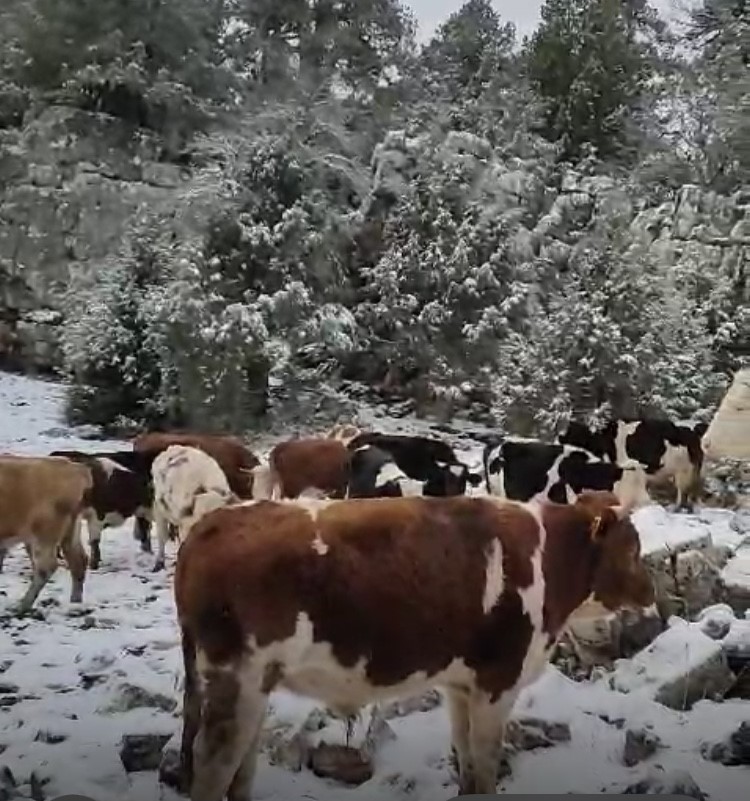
72	684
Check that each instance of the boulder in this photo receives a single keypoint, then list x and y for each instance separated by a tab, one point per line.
661	782
734	750
640	744
680	667
735	579
142	751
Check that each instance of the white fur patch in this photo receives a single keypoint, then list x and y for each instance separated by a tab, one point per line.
494	577
110	466
390	471
318	545
624	430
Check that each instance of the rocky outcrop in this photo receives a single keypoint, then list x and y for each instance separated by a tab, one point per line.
71	182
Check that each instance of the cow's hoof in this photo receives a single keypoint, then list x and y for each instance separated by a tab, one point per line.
158	567
146	547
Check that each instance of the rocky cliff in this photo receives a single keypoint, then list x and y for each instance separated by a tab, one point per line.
70	182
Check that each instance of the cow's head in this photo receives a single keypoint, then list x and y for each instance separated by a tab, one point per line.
343	432
620	577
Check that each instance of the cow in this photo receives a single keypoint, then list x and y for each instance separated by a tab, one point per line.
41	501
666	450
121	489
187	483
374	474
523	469
431	461
308	463
352	602
233	456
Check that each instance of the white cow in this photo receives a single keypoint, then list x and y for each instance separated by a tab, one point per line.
188	483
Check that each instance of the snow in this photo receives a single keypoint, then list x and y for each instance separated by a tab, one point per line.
125	634
736	572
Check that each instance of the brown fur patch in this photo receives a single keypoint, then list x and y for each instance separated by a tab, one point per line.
300	464
400	586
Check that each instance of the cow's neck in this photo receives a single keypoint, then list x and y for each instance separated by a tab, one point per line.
569	563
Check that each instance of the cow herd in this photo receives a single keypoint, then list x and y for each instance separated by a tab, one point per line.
352	567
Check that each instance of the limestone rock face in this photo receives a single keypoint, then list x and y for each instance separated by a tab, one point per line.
70	184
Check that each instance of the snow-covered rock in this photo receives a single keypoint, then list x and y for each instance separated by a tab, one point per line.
680	667
735	578
716	621
672	783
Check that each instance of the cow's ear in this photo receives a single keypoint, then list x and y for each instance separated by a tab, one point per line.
602	523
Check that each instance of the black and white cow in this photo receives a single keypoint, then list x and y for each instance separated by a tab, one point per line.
122	488
664	449
374	474
525	469
426	460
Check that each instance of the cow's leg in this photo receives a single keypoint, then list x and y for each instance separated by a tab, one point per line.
487	732
3	554
224	750
191	711
162	535
683	480
142	532
45	564
76	559
241	787
95	535
458	707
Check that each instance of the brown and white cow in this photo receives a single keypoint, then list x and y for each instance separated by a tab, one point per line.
307	464
355	601
187	483
41	500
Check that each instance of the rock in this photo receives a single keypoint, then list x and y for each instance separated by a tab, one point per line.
680	667
415	703
289	748
378	733
640	744
736	647
170	766
52	738
716	621
527	734
339	762
131	696
142	751
660	782
735	578
8	687
697	580
735	750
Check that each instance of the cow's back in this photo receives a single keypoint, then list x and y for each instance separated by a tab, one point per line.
376	578
232	455
310	462
416	456
35	488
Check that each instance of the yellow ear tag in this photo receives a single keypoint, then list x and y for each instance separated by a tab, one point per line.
595	526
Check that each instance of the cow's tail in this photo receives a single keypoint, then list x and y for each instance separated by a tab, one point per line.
191	707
